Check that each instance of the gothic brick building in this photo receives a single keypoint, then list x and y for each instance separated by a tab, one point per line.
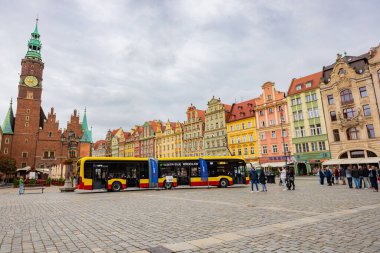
29	136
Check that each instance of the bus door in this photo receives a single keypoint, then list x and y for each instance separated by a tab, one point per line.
131	173
238	174
100	177
183	175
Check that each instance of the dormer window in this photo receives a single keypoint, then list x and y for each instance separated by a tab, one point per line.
299	87
342	72
308	84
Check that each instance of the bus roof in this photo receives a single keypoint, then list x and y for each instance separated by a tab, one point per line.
87	158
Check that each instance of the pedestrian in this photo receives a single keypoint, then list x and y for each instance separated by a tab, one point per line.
263	181
321	176
283	178
329	175
342	173
336	175
372	174
355	176
291	179
21	185
349	176
366	183
254	179
360	176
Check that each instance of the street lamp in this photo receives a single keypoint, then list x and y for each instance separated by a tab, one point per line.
283	137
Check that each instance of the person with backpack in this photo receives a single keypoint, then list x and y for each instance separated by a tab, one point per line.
254	179
263	181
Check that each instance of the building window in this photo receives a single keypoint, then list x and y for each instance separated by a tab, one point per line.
239	151
242	125
333	115
308	84
298	148
244	138
270	110
274	148
284	134
252	150
307	98
300	115
271	122
262	123
363	92
366	110
238	139
298	132
261	113
319	129
349	113
269	97
305	147
346	96
231	128
336	135
249	124
303	133
26	124
299	87
370	131
251	137
6	141
295	116
330	99
322	145
27	110
312	130
352	133
298	101
314	96
233	152
263	136
273	134
316	112
265	149
245	151
24	154
293	101
314	146
311	113
23	165
232	141
285	147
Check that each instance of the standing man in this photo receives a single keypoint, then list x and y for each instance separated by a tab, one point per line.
366	183
349	176
329	175
373	177
254	179
342	173
291	179
321	176
355	176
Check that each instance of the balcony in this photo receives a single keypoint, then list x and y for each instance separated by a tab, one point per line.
347	102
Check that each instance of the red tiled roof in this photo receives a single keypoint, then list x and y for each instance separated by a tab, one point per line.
127	135
99	143
227	107
201	114
242	110
314	78
114	131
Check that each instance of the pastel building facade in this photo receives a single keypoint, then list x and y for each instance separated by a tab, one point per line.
241	131
215	137
273	127
307	123
193	128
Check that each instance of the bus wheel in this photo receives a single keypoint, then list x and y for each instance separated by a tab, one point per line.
116	187
168	185
223	183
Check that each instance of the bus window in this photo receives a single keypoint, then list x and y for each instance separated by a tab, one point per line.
195	172
115	171
144	170
88	170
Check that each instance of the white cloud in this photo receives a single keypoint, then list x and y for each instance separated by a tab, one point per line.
132	61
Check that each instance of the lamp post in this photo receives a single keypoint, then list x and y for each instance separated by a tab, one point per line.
283	138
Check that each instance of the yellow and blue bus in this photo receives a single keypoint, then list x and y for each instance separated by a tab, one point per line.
116	173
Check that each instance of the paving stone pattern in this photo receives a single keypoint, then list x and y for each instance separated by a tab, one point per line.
310	219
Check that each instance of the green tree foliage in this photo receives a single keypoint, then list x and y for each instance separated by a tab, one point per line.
7	164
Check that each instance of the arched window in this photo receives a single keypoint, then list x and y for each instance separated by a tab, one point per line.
346	96
352	133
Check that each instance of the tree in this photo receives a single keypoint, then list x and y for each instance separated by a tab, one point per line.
7	164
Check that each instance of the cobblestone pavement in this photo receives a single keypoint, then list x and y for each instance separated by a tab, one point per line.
310	219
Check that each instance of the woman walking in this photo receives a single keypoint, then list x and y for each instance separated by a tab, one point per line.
21	186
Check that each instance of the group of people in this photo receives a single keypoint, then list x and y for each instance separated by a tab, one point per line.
286	179
362	176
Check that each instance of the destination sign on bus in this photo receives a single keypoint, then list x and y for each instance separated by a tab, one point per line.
170	164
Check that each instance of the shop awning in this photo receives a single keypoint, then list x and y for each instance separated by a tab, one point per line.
278	164
352	161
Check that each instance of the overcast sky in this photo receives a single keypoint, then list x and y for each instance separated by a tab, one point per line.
133	61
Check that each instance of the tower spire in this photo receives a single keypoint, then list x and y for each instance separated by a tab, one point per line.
8	124
34	44
87	134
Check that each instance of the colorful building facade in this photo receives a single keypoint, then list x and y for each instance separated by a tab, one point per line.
169	140
307	123
148	138
272	123
215	137
194	128
348	93
241	131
